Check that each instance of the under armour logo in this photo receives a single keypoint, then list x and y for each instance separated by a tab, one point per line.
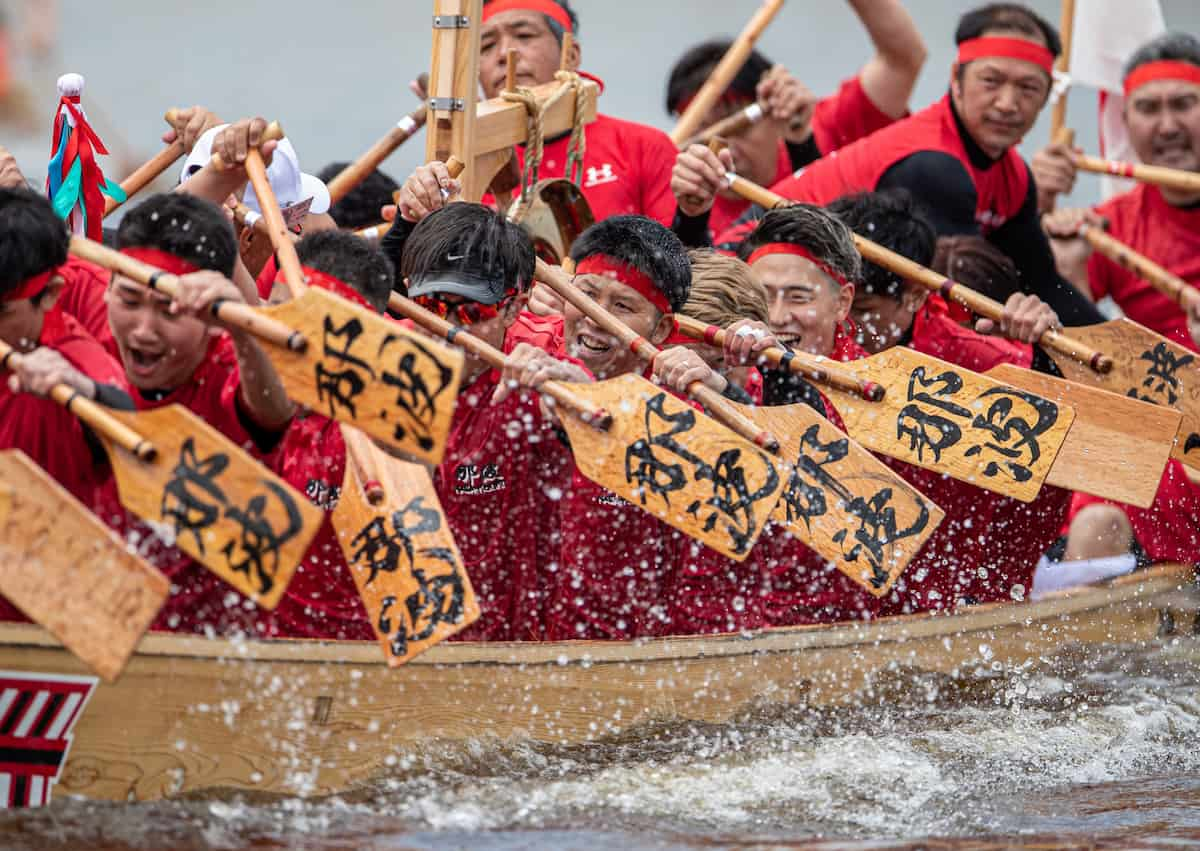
599	176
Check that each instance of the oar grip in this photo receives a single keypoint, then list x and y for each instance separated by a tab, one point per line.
493	357
756	194
1170	178
731	126
357	171
88	412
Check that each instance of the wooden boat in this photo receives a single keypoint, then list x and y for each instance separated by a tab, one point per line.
191	714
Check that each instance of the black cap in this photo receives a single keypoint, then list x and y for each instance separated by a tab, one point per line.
474	287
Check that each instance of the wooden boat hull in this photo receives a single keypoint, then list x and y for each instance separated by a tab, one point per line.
310	718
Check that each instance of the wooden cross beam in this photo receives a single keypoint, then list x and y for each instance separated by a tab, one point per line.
481	134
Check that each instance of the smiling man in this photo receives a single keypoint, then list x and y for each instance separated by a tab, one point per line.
1162	115
957	157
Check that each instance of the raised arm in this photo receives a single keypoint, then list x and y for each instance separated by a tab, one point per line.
890	75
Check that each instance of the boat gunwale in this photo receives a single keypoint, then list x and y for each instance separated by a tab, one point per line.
1153	582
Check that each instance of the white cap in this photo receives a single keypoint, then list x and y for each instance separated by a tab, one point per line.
291	185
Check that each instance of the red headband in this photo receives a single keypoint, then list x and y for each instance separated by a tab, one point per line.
329	283
797	251
1008	48
161	260
1164	70
602	264
30	287
547	7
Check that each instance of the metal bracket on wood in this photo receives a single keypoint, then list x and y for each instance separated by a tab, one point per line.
447	105
451	22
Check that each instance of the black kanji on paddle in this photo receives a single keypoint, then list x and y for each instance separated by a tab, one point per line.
876	531
1161	379
652	474
1013	421
804	495
416	398
923	421
192	500
341	382
382	550
256	552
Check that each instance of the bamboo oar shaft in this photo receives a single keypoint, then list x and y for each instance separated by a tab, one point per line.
493	357
1170	285
1169	178
247	218
357	171
799	363
1066	29
918	274
238	315
717	405
94	416
729	126
145	173
725	71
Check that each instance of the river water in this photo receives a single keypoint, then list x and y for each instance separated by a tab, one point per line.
1093	752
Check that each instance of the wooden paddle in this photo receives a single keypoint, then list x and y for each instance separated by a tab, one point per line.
337	358
1052	341
1066	30
731	125
357	171
1168	178
401	553
718	81
69	573
1170	285
717	405
654	451
204	494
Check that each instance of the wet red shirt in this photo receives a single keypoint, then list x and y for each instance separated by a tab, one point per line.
322	600
1168	235
858	167
843	117
83	297
626	168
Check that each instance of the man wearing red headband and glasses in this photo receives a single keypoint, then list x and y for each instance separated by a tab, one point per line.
173	352
55	349
958	158
1162	115
626	167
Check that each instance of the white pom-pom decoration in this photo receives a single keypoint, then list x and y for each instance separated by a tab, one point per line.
70	85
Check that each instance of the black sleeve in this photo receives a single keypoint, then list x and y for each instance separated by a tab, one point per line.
803	153
1042	362
393	241
111	396
781	387
1026	244
692	230
942	188
735	393
264	439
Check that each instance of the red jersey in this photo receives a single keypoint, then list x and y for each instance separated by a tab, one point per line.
843	117
1000	189
83	297
500	482
322	600
1168	235
1169	530
626	168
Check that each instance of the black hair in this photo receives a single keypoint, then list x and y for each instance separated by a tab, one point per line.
693	68
892	219
645	245
33	238
821	233
1007	17
555	27
360	206
976	263
354	261
191	228
1177	47
469	238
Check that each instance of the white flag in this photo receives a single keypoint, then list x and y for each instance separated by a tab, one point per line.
1106	34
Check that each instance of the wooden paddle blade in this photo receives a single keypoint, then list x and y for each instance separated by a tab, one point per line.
948	419
212	500
843	502
402	555
673	461
68	572
1116	448
366	371
1148	367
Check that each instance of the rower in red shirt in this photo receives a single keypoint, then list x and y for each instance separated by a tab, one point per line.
55	349
796	128
174	353
1162	117
958	157
626	167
